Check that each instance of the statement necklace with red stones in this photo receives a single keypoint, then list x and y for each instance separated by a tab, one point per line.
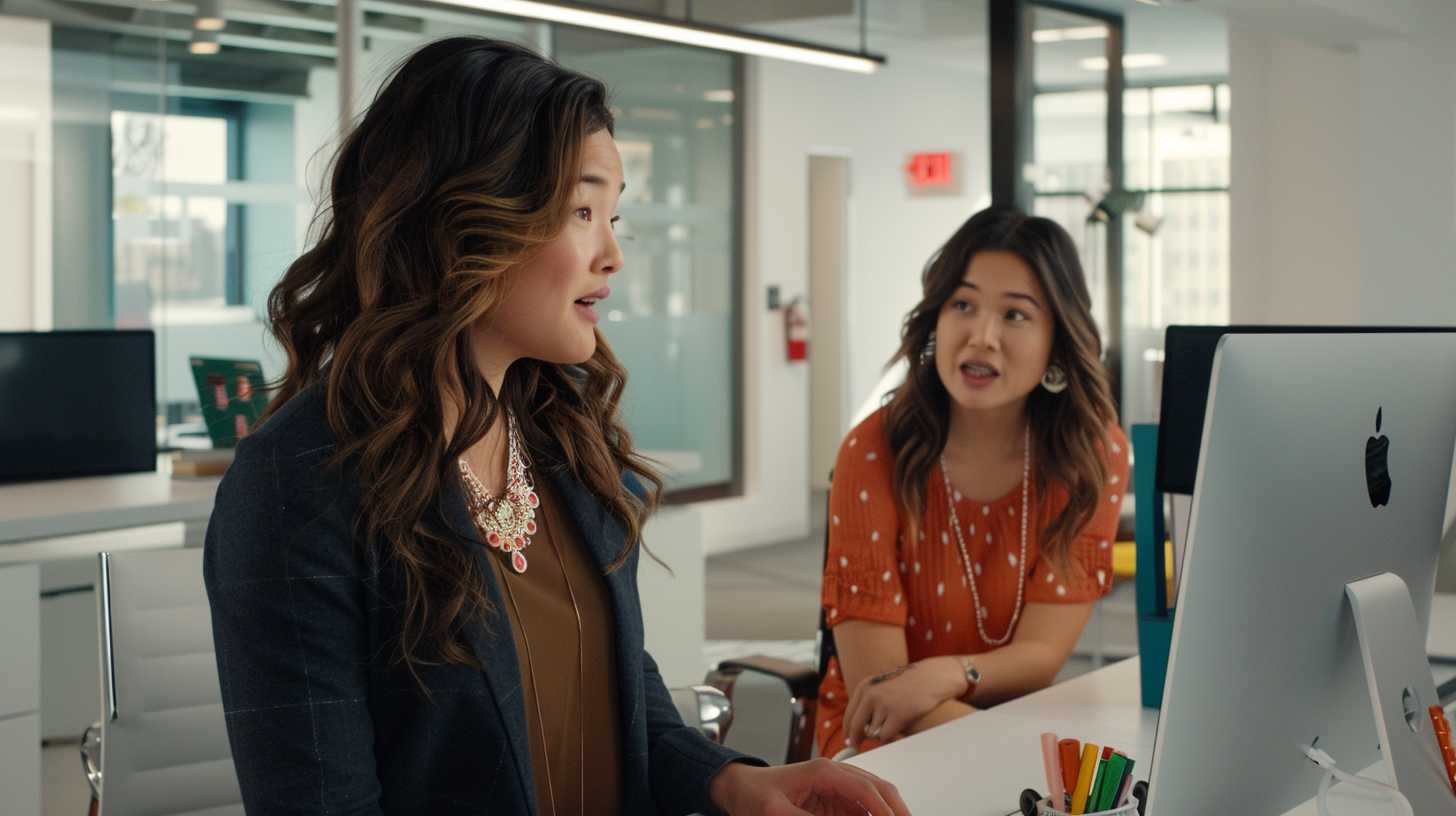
508	520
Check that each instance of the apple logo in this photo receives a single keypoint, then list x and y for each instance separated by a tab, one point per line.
1377	465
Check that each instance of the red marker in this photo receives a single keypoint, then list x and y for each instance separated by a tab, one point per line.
1443	740
1070	753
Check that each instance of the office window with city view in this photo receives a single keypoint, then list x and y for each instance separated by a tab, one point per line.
1176	245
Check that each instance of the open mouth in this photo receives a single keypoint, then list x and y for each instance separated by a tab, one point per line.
979	371
586	306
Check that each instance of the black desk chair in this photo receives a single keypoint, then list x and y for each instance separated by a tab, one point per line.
801	681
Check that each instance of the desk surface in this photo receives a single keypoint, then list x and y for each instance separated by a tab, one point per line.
73	506
978	765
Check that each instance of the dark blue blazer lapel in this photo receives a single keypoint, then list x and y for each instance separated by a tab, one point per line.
493	643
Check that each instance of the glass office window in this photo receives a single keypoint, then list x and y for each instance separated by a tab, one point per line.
1175	247
673	314
184	185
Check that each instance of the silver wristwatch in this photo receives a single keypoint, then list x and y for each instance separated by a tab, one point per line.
973	675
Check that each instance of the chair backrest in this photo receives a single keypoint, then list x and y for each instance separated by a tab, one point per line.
826	634
164	744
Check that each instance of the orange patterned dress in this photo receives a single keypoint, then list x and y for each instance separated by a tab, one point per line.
874	574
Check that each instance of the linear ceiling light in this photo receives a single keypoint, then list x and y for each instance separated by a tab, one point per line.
684	33
1129	61
1051	35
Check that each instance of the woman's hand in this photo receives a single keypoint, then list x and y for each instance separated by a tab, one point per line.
881	707
814	787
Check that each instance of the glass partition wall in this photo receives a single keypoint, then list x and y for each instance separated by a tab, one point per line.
1149	215
170	176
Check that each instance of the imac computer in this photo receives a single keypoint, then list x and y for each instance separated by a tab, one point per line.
1305	592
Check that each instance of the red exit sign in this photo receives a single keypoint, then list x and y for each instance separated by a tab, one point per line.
932	172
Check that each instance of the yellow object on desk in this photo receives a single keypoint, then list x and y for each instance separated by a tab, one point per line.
1124	559
1090	753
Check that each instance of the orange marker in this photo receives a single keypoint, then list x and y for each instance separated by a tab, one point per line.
1443	740
1070	753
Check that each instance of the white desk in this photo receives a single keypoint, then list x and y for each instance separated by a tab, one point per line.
67	507
978	766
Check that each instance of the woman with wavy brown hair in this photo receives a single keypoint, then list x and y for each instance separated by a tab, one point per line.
422	565
971	517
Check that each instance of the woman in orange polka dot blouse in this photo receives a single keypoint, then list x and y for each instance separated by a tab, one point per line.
971	517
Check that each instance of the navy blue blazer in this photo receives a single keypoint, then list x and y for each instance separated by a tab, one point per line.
320	716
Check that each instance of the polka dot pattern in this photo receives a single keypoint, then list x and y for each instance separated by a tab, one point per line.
882	572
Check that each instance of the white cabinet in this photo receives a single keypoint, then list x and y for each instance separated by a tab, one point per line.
20	689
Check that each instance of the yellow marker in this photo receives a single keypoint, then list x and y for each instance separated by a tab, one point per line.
1090	753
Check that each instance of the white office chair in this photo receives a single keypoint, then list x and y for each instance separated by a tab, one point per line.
162	746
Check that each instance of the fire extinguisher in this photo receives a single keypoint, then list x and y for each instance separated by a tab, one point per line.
796	331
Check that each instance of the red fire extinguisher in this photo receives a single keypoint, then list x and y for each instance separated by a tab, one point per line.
796	331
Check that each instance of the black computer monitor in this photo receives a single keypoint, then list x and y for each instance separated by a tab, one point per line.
1187	367
76	403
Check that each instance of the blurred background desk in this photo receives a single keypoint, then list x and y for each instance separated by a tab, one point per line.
33	514
60	526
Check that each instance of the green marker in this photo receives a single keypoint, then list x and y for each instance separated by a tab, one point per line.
1111	783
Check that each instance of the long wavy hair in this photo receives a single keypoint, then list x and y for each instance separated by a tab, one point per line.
1068	430
462	168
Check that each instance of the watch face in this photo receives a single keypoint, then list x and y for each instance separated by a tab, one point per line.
972	673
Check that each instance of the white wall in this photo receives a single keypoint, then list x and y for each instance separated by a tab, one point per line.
25	175
793	111
1408	177
1343	180
1294	223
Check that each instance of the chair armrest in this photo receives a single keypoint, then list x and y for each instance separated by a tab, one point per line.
91	757
705	708
803	685
802	679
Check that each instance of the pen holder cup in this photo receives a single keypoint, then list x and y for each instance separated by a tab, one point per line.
1044	808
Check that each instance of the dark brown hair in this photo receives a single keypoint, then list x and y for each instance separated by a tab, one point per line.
1069	430
461	169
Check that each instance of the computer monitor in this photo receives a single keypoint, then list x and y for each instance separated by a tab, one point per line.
76	403
1289	507
1187	365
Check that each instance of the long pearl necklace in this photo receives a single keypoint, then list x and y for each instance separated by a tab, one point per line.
508	520
955	524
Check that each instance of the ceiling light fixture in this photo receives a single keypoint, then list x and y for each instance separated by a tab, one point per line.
719	39
1053	35
1129	62
204	43
209	16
